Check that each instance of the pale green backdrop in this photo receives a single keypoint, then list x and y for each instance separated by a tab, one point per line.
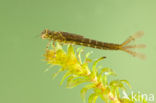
22	76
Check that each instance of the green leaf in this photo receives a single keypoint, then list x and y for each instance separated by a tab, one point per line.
95	63
125	81
118	93
116	83
86	60
92	98
107	71
97	91
55	74
69	80
84	91
74	82
88	54
58	46
99	77
79	55
65	76
71	52
94	68
104	79
79	49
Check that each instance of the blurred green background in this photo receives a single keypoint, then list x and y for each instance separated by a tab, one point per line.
22	76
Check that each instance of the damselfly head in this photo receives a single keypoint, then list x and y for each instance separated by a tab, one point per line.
45	34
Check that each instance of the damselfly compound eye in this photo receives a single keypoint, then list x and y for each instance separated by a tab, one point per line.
45	34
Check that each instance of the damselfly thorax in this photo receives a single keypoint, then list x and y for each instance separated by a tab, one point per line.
71	38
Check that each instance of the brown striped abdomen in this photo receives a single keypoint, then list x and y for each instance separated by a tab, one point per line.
98	44
80	40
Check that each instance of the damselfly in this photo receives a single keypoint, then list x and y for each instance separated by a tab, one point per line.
71	38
